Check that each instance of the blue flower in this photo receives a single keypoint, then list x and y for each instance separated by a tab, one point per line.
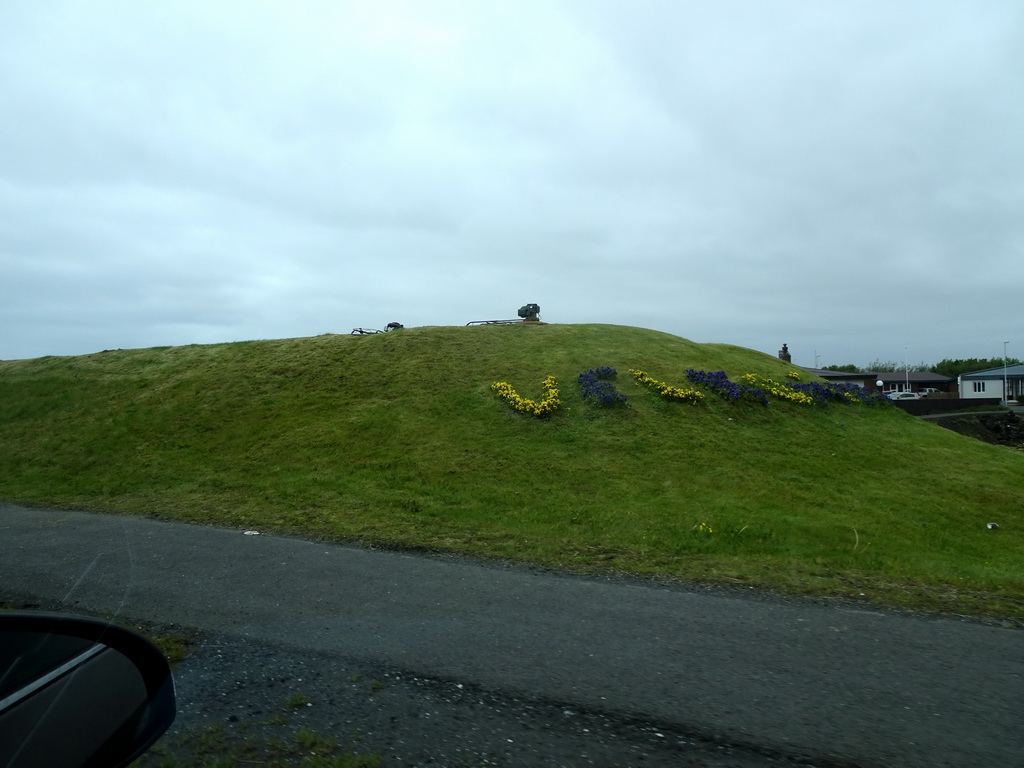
719	382
593	383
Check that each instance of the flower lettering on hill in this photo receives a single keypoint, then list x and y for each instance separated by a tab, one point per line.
719	383
545	407
667	391
594	383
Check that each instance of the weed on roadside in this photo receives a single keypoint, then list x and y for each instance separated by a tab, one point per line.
296	700
216	746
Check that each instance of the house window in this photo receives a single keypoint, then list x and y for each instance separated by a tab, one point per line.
979	386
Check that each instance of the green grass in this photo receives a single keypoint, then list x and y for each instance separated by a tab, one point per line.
296	700
215	746
397	439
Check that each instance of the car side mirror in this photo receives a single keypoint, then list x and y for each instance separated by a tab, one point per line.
79	692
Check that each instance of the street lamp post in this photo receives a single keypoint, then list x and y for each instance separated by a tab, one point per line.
1006	394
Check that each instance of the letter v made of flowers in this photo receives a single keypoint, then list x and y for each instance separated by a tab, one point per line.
543	408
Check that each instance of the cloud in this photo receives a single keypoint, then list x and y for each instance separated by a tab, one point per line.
841	178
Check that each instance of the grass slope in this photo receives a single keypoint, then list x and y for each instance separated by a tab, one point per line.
397	438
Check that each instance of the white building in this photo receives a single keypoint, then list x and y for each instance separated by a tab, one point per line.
989	383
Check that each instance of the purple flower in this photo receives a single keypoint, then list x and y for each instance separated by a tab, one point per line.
718	382
594	383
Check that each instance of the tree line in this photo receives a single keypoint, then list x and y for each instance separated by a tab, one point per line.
947	367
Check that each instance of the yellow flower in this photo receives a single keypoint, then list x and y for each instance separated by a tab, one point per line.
548	405
667	390
782	391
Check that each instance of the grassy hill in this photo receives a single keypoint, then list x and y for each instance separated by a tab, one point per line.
398	439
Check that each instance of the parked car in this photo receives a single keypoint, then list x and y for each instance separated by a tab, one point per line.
903	395
925	391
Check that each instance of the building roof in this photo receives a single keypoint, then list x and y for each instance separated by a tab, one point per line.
827	374
918	377
1012	372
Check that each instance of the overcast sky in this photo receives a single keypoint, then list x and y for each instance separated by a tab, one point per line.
844	177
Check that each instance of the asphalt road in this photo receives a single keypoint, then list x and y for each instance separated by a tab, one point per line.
794	678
